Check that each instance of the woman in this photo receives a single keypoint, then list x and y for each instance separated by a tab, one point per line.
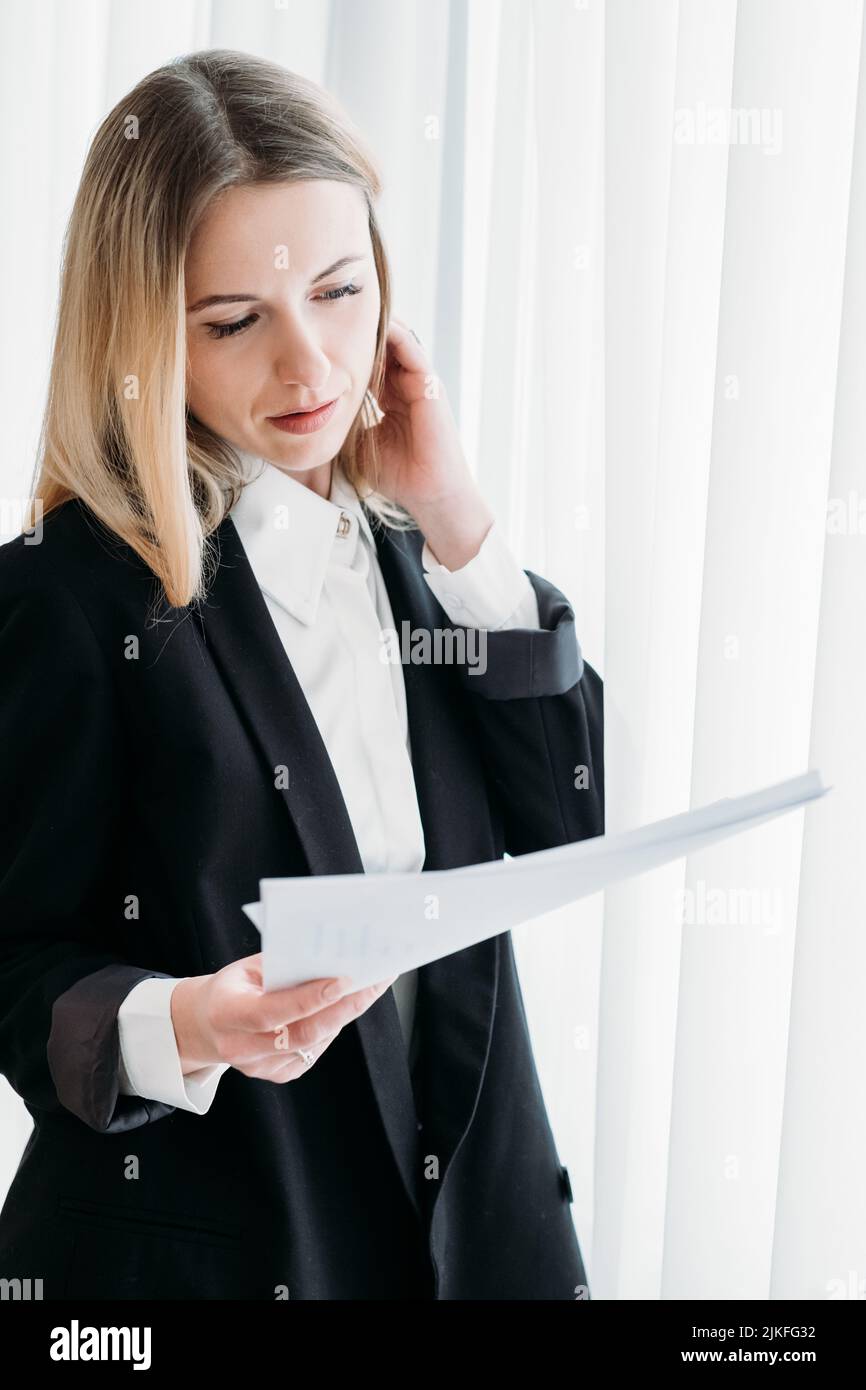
249	474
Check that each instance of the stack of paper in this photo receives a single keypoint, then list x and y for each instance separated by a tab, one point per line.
371	926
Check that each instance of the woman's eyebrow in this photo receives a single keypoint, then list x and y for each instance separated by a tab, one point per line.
338	265
211	299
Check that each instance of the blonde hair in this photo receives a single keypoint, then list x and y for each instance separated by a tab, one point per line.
116	431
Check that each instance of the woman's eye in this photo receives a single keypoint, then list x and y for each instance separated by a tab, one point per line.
328	296
225	330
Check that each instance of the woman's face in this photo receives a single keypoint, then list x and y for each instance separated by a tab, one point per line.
300	329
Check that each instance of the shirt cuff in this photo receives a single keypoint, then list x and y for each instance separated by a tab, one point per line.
491	591
149	1059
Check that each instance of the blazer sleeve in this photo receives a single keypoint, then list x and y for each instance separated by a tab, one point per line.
61	766
539	716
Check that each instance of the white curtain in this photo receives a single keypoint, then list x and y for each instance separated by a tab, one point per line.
633	235
731	1126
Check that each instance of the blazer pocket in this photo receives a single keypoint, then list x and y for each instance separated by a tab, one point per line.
118	1253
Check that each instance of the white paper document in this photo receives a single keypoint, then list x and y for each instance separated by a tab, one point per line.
372	926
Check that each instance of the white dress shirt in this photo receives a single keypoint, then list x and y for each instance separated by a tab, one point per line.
316	563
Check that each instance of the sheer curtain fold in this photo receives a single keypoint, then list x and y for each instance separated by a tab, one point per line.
819	1248
631	235
786	208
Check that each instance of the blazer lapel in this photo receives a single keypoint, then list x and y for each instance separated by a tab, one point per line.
247	648
456	994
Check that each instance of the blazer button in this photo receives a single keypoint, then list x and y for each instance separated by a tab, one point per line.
565	1184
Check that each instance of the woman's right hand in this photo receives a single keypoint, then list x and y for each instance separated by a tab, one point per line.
228	1017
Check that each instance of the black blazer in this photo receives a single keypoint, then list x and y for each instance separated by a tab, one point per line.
151	779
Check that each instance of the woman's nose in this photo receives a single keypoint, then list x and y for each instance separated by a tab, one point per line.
300	359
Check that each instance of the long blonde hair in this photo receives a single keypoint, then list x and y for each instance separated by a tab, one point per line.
116	432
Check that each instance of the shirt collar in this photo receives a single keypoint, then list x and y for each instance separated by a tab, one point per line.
289	532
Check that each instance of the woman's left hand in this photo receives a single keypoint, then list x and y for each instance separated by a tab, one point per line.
423	467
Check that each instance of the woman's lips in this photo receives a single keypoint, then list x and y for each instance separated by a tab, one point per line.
306	421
